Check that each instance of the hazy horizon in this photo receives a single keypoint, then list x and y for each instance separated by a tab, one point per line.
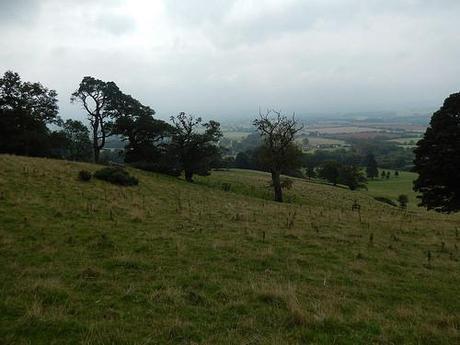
225	59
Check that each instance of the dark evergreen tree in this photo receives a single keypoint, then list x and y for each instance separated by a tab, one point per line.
437	159
371	166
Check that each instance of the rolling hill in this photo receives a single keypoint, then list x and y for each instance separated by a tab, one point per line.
168	262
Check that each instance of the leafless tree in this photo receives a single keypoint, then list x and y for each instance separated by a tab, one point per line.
279	151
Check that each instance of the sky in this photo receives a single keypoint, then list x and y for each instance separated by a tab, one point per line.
224	59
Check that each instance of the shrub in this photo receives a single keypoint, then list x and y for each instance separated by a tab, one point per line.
386	200
84	175
117	176
403	200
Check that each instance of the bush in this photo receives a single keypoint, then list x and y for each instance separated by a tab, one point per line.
117	176
84	175
386	200
403	200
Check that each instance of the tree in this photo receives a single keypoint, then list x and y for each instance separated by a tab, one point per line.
99	100
329	171
78	144
278	151
437	159
371	166
383	174
243	160
196	151
388	175
351	176
25	111
310	171
403	201
146	136
305	142
396	173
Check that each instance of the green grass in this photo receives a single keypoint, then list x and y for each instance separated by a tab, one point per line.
169	262
322	141
405	140
394	186
235	135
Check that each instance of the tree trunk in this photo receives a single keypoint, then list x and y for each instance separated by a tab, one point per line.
96	154
276	181
96	149
188	176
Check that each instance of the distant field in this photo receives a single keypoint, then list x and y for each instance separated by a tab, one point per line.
394	187
323	141
344	129
405	140
237	136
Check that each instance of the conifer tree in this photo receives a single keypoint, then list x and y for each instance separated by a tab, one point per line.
437	159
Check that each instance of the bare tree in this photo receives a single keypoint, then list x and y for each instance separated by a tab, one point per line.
279	151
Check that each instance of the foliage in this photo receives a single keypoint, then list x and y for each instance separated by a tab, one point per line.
197	152
116	176
437	159
403	200
100	100
74	143
147	138
25	111
352	177
371	166
330	171
84	175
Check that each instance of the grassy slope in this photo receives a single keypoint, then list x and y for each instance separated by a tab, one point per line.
173	263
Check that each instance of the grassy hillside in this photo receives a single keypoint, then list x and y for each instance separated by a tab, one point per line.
174	263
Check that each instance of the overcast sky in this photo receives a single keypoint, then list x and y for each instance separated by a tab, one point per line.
225	58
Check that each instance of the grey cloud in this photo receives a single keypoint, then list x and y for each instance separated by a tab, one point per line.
116	24
221	57
18	12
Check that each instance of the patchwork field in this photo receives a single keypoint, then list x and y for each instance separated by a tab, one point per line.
170	262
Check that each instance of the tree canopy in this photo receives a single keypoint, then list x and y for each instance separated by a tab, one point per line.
25	111
196	150
437	159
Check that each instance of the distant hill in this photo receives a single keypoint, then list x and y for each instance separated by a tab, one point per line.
169	262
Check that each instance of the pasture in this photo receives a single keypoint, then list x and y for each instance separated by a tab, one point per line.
168	262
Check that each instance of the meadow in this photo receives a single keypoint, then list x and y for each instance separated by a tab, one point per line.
394	186
217	262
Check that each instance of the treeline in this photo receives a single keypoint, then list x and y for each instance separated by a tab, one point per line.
30	125
388	155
